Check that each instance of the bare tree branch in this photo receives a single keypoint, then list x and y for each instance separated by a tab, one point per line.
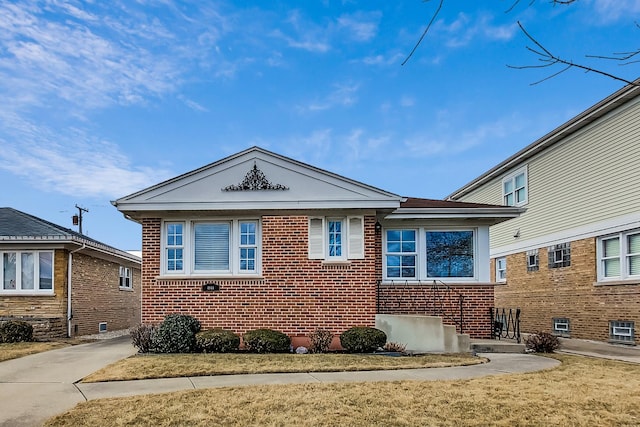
548	59
426	30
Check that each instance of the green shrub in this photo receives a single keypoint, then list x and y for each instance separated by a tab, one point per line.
217	341
542	342
266	341
362	339
15	331
176	334
320	340
142	337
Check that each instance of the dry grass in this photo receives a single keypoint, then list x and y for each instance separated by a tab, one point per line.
581	392
191	365
19	349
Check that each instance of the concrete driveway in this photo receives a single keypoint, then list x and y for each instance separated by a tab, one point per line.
34	388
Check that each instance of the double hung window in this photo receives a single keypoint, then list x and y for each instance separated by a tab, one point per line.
125	277
514	188
501	269
27	271
423	254
211	247
336	238
619	256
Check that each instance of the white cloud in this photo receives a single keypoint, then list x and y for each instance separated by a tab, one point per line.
71	163
465	29
343	95
359	26
610	11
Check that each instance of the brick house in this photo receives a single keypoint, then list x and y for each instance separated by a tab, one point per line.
571	262
62	282
261	240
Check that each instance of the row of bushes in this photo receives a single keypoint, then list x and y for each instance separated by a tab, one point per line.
180	333
15	331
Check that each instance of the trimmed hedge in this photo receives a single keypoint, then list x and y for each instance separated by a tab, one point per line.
266	341
15	331
217	341
362	339
176	334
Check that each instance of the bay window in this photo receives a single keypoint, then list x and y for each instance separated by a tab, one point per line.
211	247
423	254
27	271
619	256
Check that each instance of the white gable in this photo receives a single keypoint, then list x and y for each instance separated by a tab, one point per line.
257	179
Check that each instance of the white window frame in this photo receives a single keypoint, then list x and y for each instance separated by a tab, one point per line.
501	269
421	259
401	254
623	256
18	290
188	247
352	238
511	179
561	326
622	331
533	255
126	278
166	247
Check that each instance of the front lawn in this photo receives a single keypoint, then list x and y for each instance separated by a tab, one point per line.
580	392
190	365
19	349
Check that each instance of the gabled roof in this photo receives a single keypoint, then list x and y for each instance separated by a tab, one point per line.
256	179
20	228
577	123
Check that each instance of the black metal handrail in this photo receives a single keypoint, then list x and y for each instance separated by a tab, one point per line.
505	323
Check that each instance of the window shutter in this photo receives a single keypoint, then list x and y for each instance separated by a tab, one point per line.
316	238
355	230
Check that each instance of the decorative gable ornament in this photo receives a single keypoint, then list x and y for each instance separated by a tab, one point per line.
255	180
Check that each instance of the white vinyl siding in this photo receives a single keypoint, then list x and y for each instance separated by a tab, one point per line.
588	178
336	238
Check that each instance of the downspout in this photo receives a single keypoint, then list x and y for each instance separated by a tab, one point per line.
69	315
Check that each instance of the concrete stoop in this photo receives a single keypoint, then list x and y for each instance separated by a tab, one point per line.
422	334
497	346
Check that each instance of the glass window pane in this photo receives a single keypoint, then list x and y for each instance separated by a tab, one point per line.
211	246
28	270
508	199
520	181
633	244
612	267
393	246
393	272
9	270
409	235
450	254
408	261
508	186
634	265
393	260
393	235
521	195
611	247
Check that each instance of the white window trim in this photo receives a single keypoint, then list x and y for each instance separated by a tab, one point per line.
501	277
623	257
34	291
234	248
353	245
421	259
512	177
126	276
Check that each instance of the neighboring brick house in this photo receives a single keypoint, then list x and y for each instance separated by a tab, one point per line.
41	262
571	262
261	240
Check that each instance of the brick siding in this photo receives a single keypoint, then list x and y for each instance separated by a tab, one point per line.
567	292
96	296
294	295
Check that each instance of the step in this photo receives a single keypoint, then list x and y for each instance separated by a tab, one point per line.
497	346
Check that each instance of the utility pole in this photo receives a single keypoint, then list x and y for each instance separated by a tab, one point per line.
77	219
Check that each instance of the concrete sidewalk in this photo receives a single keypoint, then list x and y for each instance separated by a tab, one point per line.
621	352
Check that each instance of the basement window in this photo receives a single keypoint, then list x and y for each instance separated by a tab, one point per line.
622	331
102	327
561	326
533	261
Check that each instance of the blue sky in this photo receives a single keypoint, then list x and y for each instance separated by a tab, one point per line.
101	99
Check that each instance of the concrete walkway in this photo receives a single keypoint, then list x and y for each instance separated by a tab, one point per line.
36	387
